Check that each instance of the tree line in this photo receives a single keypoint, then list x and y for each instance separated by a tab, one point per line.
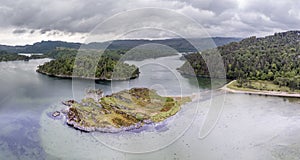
87	64
274	58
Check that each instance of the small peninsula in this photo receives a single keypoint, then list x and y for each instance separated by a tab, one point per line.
254	62
121	111
266	88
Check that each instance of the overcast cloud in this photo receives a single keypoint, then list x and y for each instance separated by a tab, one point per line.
26	22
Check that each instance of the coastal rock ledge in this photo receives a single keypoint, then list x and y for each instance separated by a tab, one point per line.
121	111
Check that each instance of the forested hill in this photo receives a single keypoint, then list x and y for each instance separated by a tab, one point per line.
5	56
275	58
39	47
178	44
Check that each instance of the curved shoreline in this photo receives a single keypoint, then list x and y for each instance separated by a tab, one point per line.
259	92
104	129
118	112
86	78
138	126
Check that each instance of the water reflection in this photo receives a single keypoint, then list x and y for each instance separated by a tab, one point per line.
250	127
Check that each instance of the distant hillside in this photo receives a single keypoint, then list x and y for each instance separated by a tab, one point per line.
275	58
180	45
39	47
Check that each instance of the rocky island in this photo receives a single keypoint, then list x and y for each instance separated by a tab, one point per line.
121	111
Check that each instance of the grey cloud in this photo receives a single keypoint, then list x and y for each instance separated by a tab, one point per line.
19	31
220	18
44	31
215	6
53	33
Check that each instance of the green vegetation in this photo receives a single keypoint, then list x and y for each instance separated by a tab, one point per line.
259	85
273	58
39	47
137	54
96	64
5	56
147	51
127	108
89	64
181	45
118	46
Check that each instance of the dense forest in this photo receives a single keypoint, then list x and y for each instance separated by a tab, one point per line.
39	47
5	56
137	54
274	58
87	64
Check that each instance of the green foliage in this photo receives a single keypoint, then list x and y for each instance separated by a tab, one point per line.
87	64
260	85
5	56
273	58
62	52
39	47
293	83
136	106
148	51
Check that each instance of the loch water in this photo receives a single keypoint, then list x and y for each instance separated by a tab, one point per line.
249	127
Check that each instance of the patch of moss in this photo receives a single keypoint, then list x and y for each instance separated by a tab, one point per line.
125	108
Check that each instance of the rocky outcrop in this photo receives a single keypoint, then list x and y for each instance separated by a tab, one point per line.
122	111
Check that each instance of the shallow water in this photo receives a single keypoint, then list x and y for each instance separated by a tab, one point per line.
250	127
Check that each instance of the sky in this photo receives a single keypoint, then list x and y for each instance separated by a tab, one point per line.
26	22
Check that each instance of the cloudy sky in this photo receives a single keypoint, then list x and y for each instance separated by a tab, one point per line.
26	22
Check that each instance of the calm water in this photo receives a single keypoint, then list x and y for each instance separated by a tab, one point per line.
250	127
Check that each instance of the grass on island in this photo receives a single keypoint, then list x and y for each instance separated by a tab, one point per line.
125	108
259	85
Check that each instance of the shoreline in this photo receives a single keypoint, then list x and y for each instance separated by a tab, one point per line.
113	117
139	126
84	78
260	92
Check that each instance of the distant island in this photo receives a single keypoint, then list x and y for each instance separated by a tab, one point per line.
87	65
271	63
121	111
